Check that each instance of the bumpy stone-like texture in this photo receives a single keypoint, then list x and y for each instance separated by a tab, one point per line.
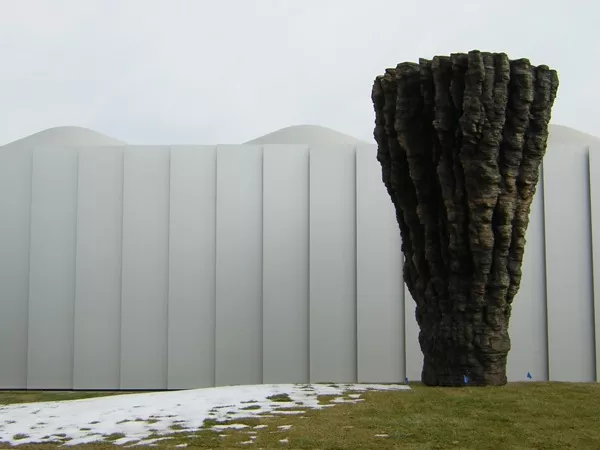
460	141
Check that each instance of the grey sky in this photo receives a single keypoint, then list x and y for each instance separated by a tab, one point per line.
224	71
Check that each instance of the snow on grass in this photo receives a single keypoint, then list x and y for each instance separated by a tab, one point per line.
135	418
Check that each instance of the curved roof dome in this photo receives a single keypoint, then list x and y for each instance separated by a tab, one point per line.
67	136
299	134
561	135
317	135
306	135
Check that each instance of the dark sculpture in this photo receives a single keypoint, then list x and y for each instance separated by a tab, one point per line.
460	141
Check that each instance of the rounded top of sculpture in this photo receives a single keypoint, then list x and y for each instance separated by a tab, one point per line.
306	135
69	136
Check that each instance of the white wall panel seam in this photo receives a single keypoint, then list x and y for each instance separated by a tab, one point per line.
354	225
29	268
542	192
121	271
124	192
594	266
544	285
403	292
262	263
27	365
76	232
355	194
545	262
216	169
168	268
590	257
308	216
405	298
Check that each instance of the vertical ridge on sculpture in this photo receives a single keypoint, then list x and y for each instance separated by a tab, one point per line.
460	141
511	156
546	88
452	212
395	169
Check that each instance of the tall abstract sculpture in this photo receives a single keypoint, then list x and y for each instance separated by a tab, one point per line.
460	141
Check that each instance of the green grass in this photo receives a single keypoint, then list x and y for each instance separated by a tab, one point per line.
516	416
11	397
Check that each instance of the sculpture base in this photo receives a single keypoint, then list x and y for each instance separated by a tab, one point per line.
440	373
464	350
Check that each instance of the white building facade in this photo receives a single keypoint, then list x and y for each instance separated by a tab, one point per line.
150	267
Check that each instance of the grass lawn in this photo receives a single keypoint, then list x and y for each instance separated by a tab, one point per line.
11	397
517	416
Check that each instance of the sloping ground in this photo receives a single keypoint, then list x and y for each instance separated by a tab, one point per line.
136	417
65	136
307	135
519	415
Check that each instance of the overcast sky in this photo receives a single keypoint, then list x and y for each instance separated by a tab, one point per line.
224	71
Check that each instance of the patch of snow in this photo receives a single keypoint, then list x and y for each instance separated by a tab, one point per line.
138	416
284	427
125	440
284	441
89	439
345	400
382	435
231	426
148	442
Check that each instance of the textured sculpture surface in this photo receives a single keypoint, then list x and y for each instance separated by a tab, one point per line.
460	141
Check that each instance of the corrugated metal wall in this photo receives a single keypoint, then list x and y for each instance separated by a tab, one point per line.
183	267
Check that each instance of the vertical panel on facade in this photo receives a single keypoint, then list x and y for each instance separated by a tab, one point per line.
333	264
145	282
528	328
379	283
52	269
569	264
191	348
285	264
15	207
414	355
239	284
97	344
594	161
